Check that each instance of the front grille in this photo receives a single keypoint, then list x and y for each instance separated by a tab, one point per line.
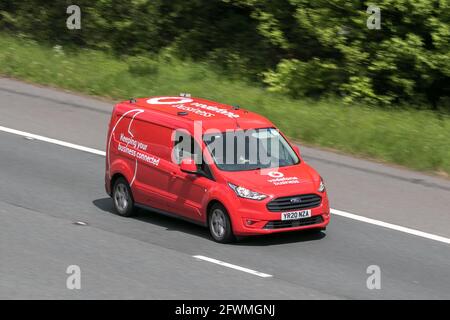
279	224
301	202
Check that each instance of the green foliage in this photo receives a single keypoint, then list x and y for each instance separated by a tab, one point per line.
142	66
419	139
299	79
407	60
303	48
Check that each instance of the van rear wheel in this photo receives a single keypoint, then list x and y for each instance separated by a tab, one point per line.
220	224
123	198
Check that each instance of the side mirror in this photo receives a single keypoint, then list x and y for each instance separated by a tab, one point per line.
188	165
296	149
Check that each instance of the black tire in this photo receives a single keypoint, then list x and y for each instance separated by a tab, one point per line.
226	235
123	198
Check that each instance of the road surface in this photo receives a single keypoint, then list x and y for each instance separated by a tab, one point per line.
46	188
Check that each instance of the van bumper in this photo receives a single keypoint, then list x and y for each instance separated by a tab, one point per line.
247	222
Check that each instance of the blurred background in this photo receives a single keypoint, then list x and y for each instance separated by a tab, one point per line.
324	71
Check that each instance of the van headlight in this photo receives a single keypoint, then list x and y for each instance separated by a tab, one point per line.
321	186
247	194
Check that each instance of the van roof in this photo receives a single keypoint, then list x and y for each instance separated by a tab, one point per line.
186	110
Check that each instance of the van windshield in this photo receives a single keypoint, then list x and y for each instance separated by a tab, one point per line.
253	149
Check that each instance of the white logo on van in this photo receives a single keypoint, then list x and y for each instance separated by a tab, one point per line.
276	174
278	179
218	110
195	107
169	100
129	145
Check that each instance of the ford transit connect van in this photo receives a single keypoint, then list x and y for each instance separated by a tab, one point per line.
217	165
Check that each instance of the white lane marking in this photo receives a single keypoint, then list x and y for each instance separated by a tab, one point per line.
391	226
53	141
233	266
333	211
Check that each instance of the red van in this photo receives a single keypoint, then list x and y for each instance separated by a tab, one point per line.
213	164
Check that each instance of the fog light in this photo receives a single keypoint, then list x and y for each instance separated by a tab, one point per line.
251	222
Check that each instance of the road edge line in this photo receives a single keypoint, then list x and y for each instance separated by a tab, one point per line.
344	214
391	226
53	141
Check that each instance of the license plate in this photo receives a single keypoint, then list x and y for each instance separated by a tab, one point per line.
295	215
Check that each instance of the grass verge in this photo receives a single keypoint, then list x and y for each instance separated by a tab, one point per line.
412	138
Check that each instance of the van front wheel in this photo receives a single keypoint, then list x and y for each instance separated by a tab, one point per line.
220	224
122	198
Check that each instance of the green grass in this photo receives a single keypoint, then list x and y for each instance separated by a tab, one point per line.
417	139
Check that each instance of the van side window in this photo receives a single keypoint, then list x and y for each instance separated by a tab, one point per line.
185	146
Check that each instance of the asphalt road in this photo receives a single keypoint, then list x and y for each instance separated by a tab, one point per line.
45	188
